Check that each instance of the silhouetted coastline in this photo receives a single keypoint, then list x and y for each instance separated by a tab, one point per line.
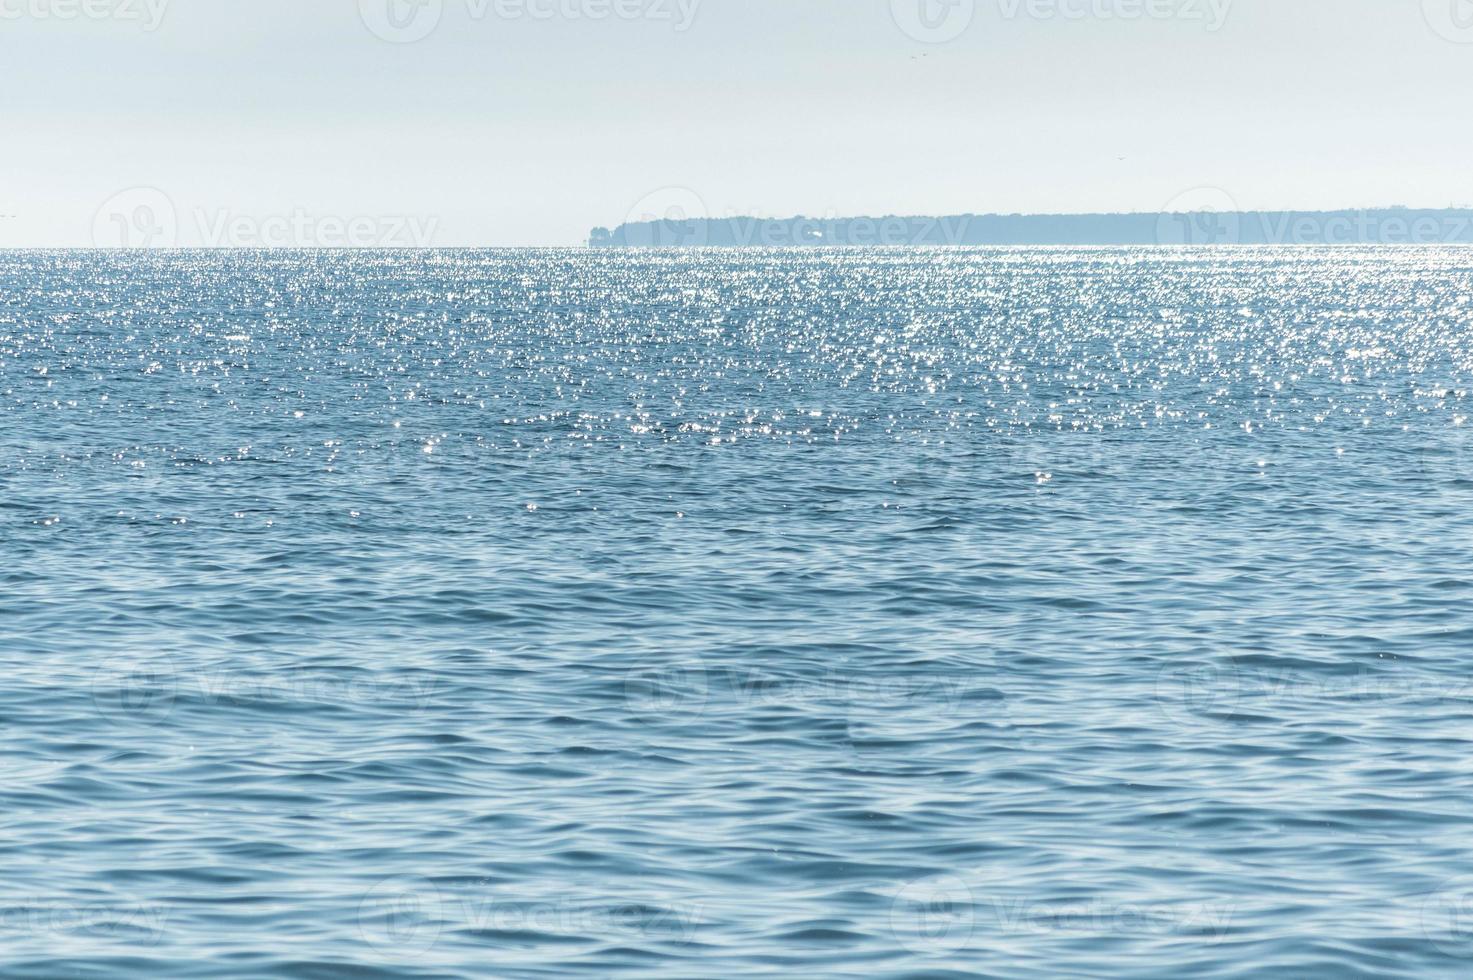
1394	225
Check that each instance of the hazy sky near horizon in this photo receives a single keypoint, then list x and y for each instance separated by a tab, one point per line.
529	121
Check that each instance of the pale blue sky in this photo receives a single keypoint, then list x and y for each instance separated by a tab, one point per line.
501	128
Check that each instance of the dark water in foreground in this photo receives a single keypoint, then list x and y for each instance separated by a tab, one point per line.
1033	613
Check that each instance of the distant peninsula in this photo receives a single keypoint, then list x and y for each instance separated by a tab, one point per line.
1391	226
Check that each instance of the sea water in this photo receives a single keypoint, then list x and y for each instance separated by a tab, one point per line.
885	613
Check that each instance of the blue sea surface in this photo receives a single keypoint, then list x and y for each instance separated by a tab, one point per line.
892	613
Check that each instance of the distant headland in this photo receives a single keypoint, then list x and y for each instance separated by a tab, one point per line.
1391	226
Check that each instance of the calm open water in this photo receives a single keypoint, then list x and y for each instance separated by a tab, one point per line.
905	613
